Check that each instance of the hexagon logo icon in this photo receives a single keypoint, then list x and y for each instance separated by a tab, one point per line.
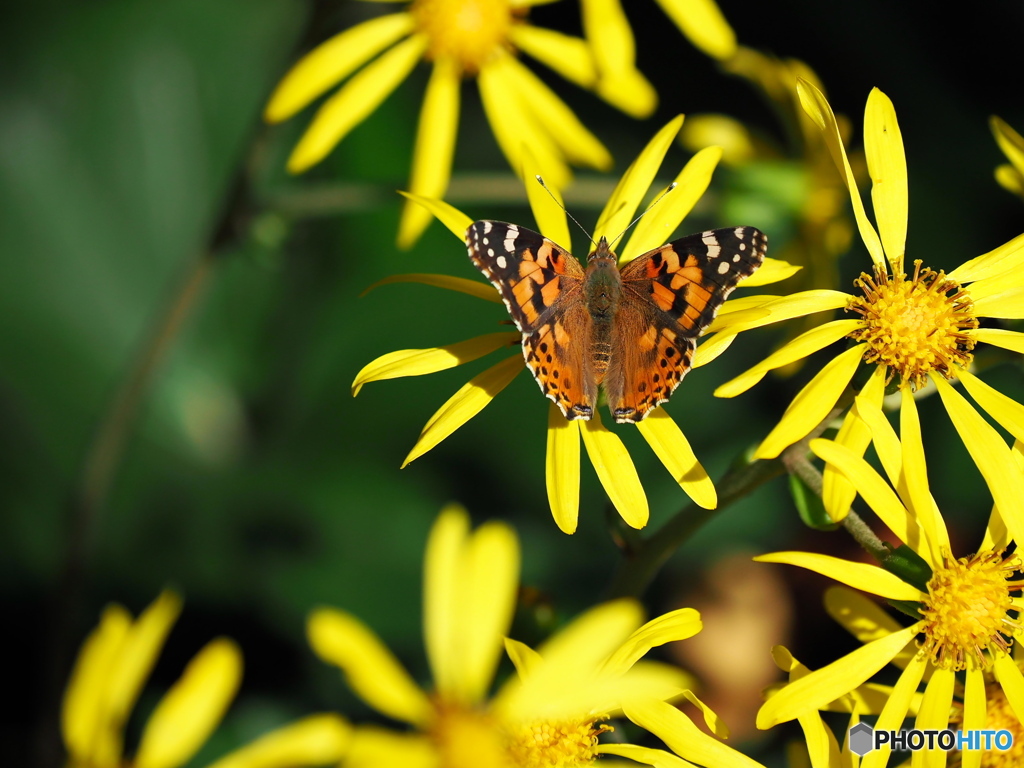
862	739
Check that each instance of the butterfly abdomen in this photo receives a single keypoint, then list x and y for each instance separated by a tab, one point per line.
602	291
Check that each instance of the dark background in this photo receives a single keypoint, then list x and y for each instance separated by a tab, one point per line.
253	482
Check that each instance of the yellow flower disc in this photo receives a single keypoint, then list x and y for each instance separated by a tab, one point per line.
467	738
468	31
914	326
556	744
966	609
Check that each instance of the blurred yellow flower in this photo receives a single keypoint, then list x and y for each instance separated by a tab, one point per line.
462	38
113	665
915	325
552	712
968	606
607	453
1010	176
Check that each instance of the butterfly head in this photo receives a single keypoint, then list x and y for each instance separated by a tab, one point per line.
602	251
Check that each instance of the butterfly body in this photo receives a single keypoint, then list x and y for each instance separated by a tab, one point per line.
632	330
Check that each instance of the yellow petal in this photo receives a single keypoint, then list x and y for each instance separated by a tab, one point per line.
611	41
999	337
838	493
471	582
571	137
568	56
374	747
545	202
356	100
711	719
917	496
869	578
435	147
656	227
1005	305
817	108
313	740
786	308
619	210
669	627
938	698
879	496
456	221
465	404
86	725
462	285
139	653
803	345
1011	681
865	620
771	271
515	125
711	347
658	758
1002	475
683	737
1010	179
887	444
1007	258
812	404
1011	142
332	61
674	451
974	712
192	708
830	682
616	472
887	164
417	362
563	469
370	669
522	656
895	710
703	23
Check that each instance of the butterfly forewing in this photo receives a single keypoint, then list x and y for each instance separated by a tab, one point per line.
670	295
540	284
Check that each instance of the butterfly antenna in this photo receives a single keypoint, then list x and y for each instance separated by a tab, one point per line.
541	182
646	211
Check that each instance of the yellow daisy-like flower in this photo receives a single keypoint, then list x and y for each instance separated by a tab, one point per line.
611	40
913	324
111	669
1010	176
607	452
968	606
552	713
462	38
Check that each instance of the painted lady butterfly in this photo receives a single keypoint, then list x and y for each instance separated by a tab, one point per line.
632	330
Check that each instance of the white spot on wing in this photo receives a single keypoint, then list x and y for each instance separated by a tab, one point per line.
739	232
712	244
510	237
500	261
490	252
736	257
487	227
723	267
743	246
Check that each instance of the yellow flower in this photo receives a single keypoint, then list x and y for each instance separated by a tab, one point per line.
552	712
611	40
607	453
111	669
462	38
967	606
914	324
1010	177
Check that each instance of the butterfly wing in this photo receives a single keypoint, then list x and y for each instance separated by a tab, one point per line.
670	295
540	284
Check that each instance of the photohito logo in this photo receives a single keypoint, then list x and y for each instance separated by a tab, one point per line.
864	739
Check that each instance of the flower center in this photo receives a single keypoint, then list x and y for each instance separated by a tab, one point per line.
467	738
556	744
914	326
966	611
999	716
469	31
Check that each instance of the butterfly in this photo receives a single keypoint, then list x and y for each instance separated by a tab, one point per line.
632	331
